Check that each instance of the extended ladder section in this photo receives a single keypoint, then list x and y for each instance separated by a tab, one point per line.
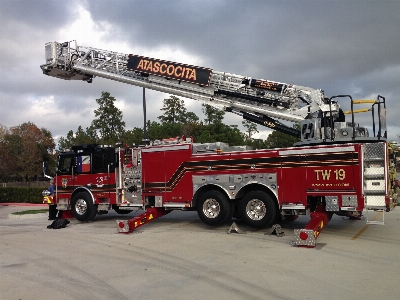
257	100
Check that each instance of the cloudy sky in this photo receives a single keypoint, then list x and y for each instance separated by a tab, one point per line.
342	47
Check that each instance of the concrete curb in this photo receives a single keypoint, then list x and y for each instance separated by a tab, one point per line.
22	204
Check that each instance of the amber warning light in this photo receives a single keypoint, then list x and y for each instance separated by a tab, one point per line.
168	69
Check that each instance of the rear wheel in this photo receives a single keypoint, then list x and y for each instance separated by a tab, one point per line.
213	208
82	207
258	209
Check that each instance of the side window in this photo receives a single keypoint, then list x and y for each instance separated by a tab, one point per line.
102	160
83	163
99	163
65	165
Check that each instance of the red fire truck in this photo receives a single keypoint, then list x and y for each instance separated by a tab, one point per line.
336	168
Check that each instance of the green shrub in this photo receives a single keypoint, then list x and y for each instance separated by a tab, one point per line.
21	194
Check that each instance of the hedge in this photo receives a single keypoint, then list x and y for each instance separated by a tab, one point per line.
21	194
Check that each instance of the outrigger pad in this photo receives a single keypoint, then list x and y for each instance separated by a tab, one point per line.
276	230
235	228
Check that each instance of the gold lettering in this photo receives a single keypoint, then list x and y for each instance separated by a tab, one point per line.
176	71
269	124
156	67
170	70
150	66
193	75
340	174
187	72
140	65
326	174
163	71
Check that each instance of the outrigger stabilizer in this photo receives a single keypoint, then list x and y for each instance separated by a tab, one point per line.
307	236
152	213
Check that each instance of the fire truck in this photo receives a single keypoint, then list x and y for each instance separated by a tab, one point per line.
338	167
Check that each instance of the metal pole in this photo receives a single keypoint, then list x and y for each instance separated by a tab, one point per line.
145	140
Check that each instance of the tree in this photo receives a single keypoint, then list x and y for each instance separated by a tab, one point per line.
157	131
6	159
213	115
251	128
3	131
89	136
25	148
133	136
258	144
108	119
279	139
66	142
174	111
191	117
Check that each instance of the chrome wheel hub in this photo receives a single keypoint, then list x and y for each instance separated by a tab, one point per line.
256	209
211	208
81	206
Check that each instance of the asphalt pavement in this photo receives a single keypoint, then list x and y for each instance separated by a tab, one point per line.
179	257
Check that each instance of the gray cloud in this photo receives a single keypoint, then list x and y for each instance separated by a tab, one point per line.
342	47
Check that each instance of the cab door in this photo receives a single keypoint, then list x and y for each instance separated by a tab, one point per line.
82	170
103	172
64	180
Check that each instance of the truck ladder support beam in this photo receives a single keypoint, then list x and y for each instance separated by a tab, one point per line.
307	236
270	123
128	226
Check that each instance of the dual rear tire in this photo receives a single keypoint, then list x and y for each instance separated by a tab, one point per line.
213	208
257	208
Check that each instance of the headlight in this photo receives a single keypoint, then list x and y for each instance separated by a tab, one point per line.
46	193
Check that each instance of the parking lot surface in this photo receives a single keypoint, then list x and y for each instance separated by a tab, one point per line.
179	257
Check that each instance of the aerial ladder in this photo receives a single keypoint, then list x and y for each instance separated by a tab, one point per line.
260	101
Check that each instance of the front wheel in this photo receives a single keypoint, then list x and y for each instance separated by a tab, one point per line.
213	208
82	207
258	209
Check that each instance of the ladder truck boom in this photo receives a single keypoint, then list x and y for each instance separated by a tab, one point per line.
257	100
260	101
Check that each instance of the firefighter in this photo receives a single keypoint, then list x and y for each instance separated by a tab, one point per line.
52	207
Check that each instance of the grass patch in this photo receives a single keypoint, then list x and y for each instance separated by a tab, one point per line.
31	212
